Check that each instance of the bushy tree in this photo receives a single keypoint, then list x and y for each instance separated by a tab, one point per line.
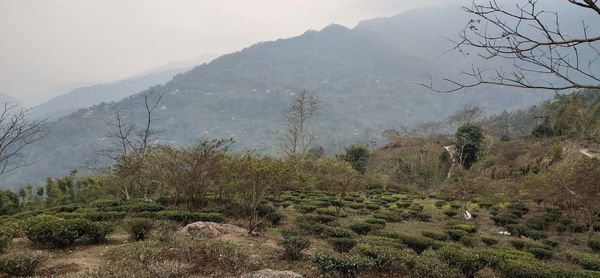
357	155
468	144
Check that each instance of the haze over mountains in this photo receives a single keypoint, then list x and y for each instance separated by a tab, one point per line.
366	78
87	96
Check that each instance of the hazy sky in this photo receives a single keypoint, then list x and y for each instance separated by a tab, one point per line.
49	42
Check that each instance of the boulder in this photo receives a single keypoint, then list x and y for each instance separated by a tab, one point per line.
211	229
270	273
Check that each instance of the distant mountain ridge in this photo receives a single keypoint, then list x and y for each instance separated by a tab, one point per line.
87	96
366	78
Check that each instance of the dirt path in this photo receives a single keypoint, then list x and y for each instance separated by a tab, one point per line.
451	149
71	262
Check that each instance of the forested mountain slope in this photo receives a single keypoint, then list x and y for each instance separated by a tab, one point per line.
366	78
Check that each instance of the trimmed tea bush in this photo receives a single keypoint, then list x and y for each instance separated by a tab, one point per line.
341	266
587	261
6	236
342	245
451	213
434	235
466	261
98	216
594	243
489	241
428	265
468	241
541	253
361	228
98	231
418	244
386	258
139	228
21	264
57	232
456	234
376	221
293	243
337	232
142	207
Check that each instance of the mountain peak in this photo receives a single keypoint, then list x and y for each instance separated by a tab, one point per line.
335	28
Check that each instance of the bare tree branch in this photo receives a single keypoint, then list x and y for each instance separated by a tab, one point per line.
542	54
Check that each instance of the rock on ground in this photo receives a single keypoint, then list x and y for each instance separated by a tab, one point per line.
269	273
211	229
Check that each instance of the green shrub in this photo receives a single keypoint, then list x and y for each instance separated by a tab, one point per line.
587	261
139	228
103	215
469	228
361	228
183	217
489	241
428	265
541	253
533	269
456	234
306	208
594	243
376	221
342	245
451	213
356	205
143	207
21	264
372	206
342	266
434	235
550	243
98	231
504	219
293	243
418	244
6	236
466	261
403	204
337	232
536	223
440	203
57	232
496	257
322	218
386	258
518	244
468	241
455	205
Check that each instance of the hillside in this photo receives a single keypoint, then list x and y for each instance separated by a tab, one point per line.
366	78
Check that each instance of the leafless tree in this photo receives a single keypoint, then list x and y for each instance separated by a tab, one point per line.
297	136
131	144
541	54
468	114
17	131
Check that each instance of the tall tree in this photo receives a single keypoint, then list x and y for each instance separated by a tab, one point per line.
297	136
131	144
357	155
468	144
